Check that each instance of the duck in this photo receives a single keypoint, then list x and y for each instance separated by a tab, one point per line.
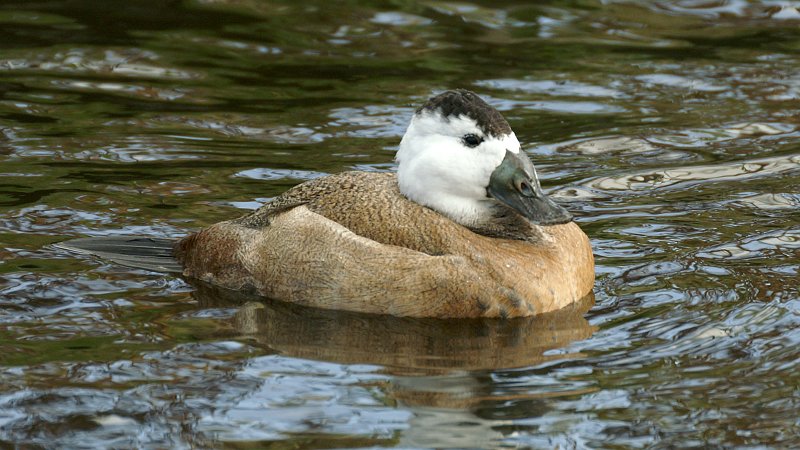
462	229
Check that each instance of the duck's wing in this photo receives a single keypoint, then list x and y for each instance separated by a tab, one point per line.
342	190
370	205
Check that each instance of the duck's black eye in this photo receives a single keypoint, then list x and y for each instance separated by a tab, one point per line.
472	140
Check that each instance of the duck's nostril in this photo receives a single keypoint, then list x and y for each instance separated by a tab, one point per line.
525	188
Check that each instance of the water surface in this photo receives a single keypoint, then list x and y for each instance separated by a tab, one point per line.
669	128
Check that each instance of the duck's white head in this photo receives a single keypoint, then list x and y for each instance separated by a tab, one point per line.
460	157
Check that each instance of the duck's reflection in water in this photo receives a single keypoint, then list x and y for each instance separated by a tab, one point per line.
444	371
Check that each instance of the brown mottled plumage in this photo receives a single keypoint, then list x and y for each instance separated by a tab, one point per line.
352	241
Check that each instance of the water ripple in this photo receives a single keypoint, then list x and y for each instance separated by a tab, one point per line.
683	177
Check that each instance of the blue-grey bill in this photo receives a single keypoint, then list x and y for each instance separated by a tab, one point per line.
515	184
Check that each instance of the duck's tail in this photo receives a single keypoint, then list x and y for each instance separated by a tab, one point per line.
140	252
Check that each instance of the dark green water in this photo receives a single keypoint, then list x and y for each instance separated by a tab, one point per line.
669	128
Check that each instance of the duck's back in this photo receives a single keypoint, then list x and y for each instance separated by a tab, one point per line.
370	205
353	241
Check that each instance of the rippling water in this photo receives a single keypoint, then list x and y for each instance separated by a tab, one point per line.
669	128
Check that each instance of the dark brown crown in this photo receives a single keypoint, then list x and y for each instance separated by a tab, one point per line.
461	102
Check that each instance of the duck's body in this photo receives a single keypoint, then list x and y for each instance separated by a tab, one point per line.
352	241
462	230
